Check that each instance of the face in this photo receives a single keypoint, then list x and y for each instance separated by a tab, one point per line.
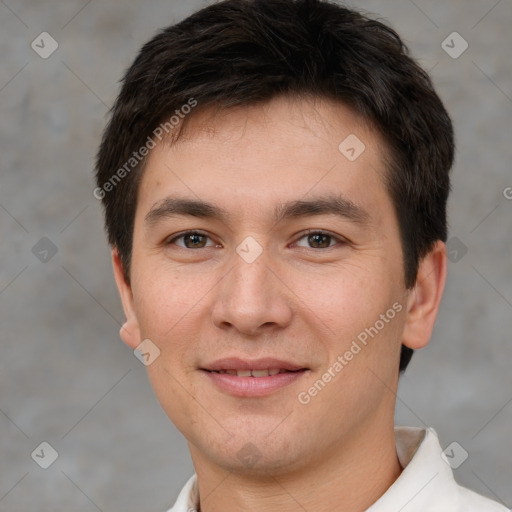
260	245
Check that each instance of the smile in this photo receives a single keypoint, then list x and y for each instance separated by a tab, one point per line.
252	383
252	373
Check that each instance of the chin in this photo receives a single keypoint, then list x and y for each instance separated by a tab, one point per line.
256	454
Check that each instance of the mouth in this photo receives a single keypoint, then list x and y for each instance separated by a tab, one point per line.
257	378
255	373
253	368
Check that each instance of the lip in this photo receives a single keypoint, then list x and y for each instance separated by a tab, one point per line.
235	363
252	386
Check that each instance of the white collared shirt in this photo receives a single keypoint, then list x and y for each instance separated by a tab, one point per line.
426	483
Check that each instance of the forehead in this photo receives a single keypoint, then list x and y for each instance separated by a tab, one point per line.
279	151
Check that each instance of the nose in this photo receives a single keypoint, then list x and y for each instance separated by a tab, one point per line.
253	297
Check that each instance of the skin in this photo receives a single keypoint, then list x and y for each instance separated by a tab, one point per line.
304	299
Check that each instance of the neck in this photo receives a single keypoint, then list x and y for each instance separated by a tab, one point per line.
352	476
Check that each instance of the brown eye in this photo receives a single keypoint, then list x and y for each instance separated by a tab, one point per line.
191	240
319	240
194	240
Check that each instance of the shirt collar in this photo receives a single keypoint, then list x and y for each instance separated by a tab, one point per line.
426	482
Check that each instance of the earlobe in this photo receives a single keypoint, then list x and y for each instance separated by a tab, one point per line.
130	331
130	334
425	298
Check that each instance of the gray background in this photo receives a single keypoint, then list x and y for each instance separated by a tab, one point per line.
65	376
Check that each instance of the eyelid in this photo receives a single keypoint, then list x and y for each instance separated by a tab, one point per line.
338	238
171	239
303	234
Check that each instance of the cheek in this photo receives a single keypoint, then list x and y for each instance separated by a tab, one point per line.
364	313
167	308
173	308
164	296
347	298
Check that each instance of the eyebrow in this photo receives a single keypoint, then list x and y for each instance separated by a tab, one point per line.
324	205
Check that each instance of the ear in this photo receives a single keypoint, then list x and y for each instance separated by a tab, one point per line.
424	299
130	331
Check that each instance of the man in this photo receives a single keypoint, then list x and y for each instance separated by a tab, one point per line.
275	178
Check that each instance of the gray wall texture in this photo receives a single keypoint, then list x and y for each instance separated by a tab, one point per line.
65	376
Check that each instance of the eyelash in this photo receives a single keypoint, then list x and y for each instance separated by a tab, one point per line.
305	234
